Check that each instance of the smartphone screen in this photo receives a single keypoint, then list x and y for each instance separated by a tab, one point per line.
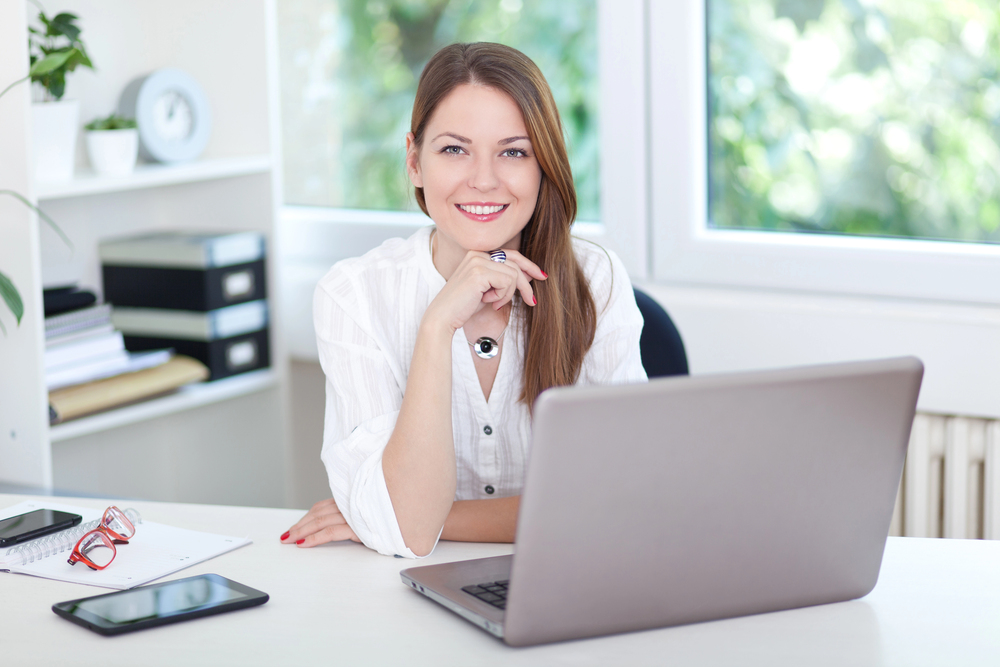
146	603
169	602
39	523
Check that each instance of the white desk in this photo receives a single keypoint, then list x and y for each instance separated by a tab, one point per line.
937	603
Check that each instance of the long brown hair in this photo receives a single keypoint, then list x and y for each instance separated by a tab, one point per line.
560	330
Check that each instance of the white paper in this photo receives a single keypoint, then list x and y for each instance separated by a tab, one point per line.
155	551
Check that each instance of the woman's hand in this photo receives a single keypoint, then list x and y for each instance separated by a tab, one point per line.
321	524
479	280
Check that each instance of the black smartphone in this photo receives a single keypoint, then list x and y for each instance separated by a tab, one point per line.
39	523
159	604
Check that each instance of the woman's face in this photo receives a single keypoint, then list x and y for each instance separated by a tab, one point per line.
478	171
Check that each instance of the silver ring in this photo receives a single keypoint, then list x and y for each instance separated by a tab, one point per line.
498	256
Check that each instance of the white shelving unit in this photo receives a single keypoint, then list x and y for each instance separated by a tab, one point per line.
86	182
210	442
191	396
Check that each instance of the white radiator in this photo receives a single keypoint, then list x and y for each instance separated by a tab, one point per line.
951	482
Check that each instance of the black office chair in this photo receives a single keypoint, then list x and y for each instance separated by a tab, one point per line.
660	344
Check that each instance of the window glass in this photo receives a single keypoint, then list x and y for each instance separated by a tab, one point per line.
872	117
349	71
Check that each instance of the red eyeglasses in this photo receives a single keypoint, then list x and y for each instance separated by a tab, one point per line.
96	549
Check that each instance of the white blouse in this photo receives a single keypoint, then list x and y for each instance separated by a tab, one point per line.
367	311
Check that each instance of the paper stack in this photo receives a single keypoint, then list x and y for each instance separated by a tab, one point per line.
85	399
88	369
82	345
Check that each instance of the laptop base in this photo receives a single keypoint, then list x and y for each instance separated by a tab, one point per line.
443	583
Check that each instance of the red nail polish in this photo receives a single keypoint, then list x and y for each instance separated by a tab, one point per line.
285	536
544	274
534	301
300	541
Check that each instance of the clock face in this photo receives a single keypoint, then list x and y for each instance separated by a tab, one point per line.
172	116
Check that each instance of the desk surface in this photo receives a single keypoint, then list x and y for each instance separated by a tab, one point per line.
937	603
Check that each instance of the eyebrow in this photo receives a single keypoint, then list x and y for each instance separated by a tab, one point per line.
466	140
459	137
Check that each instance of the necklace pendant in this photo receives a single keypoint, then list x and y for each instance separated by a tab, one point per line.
486	348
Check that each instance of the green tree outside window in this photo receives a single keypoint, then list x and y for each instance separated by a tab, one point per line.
871	117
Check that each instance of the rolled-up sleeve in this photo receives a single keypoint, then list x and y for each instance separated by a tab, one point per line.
364	393
614	356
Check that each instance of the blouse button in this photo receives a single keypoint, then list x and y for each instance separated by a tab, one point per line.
488	430
489	489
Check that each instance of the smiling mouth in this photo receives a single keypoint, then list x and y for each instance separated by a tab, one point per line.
482	210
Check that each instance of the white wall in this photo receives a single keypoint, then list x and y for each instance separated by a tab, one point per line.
742	329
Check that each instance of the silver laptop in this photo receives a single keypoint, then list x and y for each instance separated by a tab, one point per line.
694	498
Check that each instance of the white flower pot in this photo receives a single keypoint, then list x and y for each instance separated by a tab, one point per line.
113	152
54	128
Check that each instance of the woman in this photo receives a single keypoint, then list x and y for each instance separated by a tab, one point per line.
435	347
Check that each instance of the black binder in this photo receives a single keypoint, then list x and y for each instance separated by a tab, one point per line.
223	356
184	288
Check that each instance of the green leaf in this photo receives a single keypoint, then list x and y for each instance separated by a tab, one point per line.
11	297
63	24
112	122
56	85
74	60
78	58
43	19
50	63
64	17
84	58
72	33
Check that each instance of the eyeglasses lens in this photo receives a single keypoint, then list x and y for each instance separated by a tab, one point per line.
117	523
97	548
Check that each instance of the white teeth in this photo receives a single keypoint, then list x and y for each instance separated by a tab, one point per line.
481	210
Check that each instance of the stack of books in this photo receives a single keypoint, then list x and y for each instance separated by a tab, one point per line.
83	345
88	369
202	294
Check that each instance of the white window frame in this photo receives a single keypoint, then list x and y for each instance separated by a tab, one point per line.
757	299
624	157
687	252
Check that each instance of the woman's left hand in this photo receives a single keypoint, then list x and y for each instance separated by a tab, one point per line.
322	523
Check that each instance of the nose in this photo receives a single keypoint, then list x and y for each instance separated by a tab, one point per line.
483	176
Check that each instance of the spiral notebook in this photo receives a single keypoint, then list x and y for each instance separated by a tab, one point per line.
155	550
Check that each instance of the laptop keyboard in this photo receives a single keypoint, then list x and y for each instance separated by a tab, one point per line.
493	592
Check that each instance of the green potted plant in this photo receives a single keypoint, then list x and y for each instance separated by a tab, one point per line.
112	144
55	120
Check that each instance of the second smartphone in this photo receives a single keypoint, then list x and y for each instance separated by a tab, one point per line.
32	525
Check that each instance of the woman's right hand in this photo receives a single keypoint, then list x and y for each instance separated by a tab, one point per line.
322	523
479	280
